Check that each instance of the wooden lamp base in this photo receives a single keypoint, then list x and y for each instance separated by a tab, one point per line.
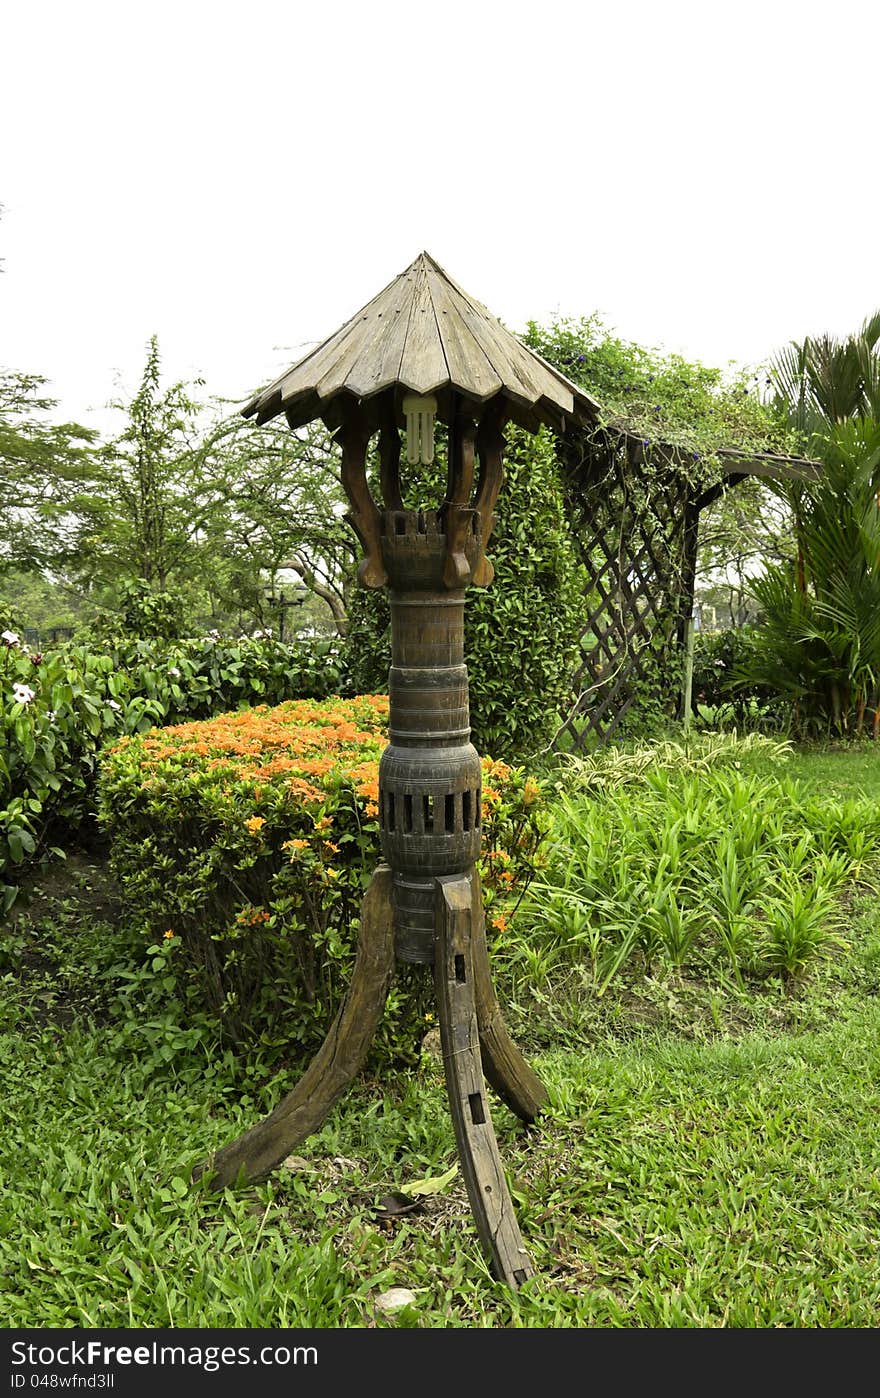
474	1039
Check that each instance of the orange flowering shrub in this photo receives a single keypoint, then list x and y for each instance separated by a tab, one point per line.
254	834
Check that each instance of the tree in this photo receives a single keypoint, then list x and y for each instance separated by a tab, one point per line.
819	645
151	495
747	527
190	498
815	383
32	602
41	466
285	508
820	642
823	380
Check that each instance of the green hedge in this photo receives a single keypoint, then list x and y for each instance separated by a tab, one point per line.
243	846
58	708
208	675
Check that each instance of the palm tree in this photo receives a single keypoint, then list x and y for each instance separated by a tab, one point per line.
825	380
820	643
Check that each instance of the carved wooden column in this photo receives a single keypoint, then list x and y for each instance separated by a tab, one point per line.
430	819
429	776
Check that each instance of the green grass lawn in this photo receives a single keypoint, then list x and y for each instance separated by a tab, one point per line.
846	772
710	1157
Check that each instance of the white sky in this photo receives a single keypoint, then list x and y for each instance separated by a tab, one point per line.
240	179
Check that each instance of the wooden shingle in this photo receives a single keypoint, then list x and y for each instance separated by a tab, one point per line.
424	334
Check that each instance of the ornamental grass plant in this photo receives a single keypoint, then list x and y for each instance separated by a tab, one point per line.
675	860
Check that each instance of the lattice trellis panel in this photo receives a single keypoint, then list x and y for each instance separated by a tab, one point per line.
633	529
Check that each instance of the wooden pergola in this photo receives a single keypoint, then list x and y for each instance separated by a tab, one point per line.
640	562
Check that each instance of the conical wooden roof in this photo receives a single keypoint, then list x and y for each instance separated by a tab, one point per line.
425	334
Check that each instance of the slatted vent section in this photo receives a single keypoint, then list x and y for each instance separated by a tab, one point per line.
449	813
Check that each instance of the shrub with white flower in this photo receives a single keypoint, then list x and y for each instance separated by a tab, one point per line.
48	754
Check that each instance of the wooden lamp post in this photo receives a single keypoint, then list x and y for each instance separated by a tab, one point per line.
422	350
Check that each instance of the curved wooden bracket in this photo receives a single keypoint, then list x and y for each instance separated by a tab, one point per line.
490	448
515	1081
364	517
339	1060
458	515
389	458
483	1171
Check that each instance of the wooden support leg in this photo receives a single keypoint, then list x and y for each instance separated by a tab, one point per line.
483	1171
260	1149
516	1083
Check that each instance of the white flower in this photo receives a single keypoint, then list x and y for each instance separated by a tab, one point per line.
51	715
10	638
174	672
112	704
23	694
